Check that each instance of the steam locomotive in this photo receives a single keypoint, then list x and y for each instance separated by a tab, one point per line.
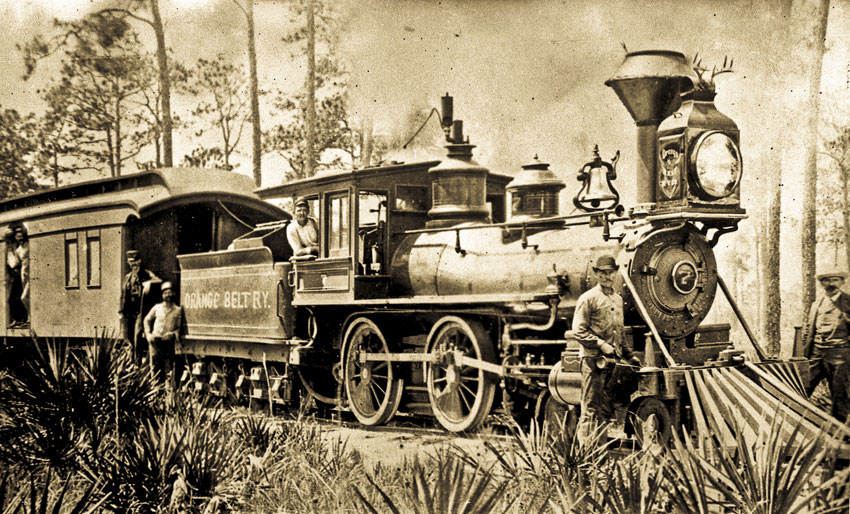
441	288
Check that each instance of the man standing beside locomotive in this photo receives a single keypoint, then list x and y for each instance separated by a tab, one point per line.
826	341
598	327
162	329
135	286
303	235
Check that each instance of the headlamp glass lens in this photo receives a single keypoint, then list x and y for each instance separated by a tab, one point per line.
717	164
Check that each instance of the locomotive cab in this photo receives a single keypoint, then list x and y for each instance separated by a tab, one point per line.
363	215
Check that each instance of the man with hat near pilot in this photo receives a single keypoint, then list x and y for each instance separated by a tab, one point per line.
163	326
134	288
598	327
303	234
826	341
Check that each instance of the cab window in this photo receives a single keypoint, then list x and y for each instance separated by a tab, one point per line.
337	224
371	228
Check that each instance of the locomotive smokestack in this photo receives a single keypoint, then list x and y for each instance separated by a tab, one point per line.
648	83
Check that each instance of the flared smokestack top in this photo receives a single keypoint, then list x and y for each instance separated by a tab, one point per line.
649	82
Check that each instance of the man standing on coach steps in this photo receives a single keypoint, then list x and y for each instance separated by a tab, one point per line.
135	286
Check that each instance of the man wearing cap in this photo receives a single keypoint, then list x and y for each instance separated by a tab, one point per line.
303	235
135	286
598	327
162	329
826	341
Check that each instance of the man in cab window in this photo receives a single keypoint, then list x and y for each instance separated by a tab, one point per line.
303	233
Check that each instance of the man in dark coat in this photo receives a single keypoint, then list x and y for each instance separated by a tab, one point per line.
134	288
826	341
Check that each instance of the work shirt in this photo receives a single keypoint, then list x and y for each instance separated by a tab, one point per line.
831	325
301	238
163	320
598	317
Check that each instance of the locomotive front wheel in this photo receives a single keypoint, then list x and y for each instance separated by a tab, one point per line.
372	389
654	423
461	396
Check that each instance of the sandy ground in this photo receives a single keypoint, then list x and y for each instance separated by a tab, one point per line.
393	448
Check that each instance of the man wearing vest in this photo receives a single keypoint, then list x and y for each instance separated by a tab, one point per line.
598	327
826	341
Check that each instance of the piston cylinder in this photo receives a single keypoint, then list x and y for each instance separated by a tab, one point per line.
565	382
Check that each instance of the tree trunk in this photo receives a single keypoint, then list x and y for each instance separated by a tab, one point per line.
366	143
809	226
310	157
55	168
845	184
164	84
760	279
772	293
111	153
118	135
255	97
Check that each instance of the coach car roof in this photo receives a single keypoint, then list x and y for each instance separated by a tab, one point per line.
137	194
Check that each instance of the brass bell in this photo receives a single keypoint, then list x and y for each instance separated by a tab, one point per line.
597	191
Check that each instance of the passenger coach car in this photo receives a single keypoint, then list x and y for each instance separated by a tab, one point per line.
78	235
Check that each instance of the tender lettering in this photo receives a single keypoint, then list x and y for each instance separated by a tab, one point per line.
227	300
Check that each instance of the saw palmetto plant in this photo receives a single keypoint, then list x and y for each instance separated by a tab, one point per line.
58	403
446	484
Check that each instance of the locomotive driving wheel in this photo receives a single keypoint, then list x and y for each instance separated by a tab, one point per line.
372	389
461	396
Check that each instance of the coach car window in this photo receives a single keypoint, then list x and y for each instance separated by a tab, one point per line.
72	261
337	224
93	258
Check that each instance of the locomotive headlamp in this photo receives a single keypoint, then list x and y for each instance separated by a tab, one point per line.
716	164
699	166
